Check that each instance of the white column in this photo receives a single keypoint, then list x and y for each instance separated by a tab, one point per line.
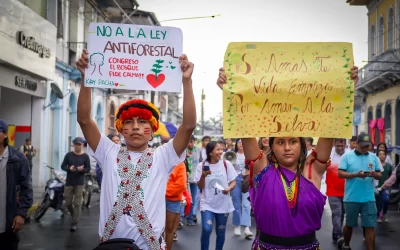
81	27
37	142
66	13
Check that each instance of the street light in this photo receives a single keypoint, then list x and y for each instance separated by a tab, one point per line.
189	18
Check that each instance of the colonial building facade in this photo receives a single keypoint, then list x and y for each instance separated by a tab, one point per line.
39	88
378	91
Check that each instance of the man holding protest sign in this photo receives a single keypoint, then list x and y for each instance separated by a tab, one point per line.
132	206
285	189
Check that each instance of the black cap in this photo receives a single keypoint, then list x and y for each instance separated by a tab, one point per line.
364	139
353	138
3	126
78	140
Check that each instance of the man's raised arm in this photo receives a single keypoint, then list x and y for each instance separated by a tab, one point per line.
88	126
185	131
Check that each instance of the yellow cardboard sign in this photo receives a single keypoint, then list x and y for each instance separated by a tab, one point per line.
288	89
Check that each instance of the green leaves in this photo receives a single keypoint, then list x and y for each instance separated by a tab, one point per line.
156	71
159	61
229	54
346	66
158	66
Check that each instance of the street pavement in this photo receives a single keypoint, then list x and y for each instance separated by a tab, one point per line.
53	233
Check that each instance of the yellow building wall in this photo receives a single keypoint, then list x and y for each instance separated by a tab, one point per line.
372	100
373	19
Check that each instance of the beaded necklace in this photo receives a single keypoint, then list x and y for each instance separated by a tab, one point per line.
291	190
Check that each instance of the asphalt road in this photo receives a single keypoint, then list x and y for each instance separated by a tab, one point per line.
52	233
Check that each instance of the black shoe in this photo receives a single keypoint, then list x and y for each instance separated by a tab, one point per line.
27	220
73	228
346	248
195	219
340	242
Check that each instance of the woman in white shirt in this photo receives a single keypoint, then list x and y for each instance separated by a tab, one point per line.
215	178
241	215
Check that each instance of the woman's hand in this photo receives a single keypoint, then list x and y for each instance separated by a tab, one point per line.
354	74
226	191
221	78
205	173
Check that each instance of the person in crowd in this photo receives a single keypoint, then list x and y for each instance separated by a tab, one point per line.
132	210
216	179
29	151
309	144
16	194
228	145
241	215
393	179
360	168
175	187
263	144
335	191
76	163
383	146
383	195
204	141
285	190
193	154
353	142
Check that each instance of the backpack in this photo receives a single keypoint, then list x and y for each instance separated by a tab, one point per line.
226	169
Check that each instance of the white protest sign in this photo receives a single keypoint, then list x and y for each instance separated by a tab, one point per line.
135	57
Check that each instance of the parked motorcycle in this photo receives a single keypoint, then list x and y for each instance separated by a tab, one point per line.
88	189
53	195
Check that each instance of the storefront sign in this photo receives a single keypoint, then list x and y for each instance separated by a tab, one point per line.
25	83
29	42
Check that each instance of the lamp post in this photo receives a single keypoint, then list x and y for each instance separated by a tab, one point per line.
203	97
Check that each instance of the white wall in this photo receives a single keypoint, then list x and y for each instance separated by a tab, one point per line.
21	109
15	107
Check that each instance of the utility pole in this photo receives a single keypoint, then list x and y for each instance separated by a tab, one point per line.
203	97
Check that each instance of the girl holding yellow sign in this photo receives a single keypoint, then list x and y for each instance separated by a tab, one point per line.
287	216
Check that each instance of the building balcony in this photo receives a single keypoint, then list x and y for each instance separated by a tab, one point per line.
357	2
126	11
380	73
